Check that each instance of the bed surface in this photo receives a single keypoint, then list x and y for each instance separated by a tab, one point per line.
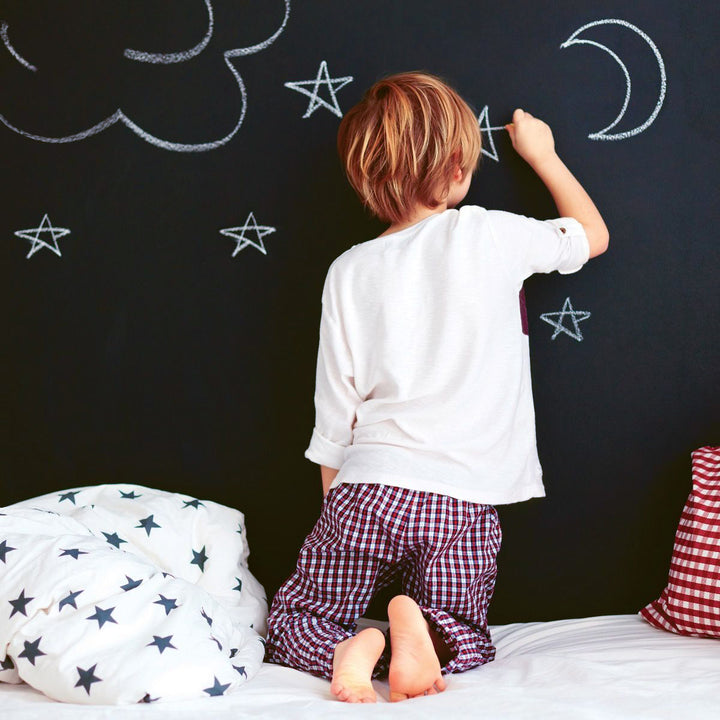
600	667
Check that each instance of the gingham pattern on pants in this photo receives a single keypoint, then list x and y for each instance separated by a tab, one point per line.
444	550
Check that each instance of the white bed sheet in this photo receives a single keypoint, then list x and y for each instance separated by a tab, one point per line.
592	668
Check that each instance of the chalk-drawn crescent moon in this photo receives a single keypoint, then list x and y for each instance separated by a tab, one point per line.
575	39
12	50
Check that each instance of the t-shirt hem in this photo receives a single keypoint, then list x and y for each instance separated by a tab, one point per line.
519	493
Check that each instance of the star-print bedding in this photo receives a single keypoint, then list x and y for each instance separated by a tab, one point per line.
122	594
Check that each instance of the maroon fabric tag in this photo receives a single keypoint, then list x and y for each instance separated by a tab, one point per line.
523	313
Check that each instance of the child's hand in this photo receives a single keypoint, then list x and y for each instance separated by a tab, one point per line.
531	138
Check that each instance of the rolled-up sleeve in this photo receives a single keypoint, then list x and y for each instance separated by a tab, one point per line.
540	246
574	249
336	399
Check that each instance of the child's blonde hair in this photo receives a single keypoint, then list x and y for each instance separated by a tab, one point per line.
403	141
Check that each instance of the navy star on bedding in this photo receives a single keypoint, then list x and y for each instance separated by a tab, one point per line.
122	594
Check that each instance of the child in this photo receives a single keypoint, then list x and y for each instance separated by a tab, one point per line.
424	413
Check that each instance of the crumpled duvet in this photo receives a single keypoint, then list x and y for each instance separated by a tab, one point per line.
122	594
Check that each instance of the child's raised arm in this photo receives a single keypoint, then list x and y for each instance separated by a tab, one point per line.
533	140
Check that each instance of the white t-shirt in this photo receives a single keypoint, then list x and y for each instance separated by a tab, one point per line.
423	374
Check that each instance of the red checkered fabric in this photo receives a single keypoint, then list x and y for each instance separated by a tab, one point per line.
690	604
443	549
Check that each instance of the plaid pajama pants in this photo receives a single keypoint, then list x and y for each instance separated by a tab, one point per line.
443	549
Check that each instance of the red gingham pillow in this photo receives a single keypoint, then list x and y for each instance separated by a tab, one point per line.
690	604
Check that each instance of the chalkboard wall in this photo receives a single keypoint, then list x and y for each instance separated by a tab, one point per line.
172	201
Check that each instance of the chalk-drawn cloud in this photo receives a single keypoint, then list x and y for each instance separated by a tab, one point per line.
204	46
579	38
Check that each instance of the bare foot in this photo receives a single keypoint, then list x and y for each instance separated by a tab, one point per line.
353	664
414	666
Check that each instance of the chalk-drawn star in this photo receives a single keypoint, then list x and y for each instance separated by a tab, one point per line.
238	234
4	550
87	678
102	616
217	688
323	78
488	130
19	603
575	316
69	600
33	235
32	650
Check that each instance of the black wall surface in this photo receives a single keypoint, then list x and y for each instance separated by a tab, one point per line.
145	352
